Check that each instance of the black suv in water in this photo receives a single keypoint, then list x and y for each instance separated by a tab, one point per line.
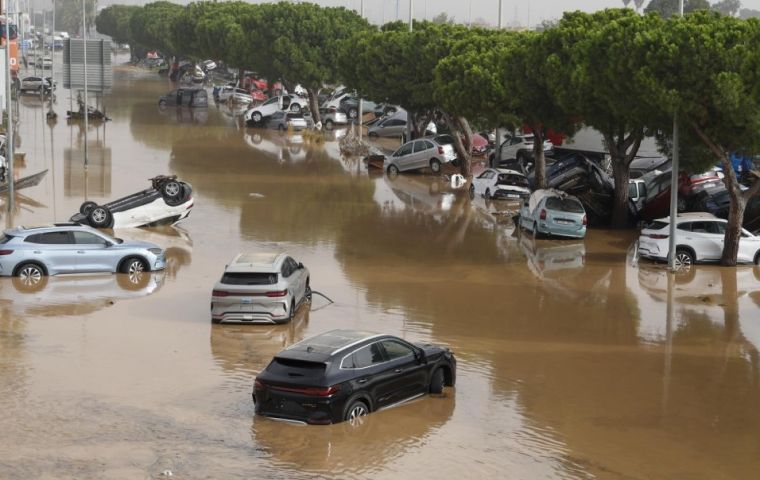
345	374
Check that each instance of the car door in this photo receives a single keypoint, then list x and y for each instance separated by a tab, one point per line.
373	373
410	377
298	278
749	246
93	253
56	250
702	237
403	157
479	182
419	154
395	128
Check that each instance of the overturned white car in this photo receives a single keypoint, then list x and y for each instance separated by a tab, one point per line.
167	202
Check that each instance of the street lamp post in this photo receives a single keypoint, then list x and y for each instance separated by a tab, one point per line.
86	108
8	108
674	185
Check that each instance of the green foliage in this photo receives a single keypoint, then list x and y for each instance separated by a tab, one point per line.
668	8
152	26
114	21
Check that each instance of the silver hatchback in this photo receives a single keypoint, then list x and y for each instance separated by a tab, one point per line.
31	253
260	288
417	154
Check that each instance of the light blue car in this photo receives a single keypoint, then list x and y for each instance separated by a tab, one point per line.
31	253
553	213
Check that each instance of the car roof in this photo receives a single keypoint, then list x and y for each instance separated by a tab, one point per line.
21	230
508	171
325	345
690	216
262	262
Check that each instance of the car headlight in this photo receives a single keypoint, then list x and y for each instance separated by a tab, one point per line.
155	251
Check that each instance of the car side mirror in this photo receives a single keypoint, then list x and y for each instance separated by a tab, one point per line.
300	266
109	244
419	354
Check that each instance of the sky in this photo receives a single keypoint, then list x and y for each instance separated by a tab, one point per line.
521	13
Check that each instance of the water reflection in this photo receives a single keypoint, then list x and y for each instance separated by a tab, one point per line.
95	180
184	115
355	451
552	258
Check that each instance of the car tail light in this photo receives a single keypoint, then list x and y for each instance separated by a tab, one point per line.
258	385
219	293
310	391
585	220
440	150
6	252
279	293
332	109
656	236
543	214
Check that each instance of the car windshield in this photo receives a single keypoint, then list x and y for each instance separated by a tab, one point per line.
249	278
512	179
564	204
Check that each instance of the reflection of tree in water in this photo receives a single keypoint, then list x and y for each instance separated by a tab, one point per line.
12	345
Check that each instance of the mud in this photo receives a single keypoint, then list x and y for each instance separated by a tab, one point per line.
574	360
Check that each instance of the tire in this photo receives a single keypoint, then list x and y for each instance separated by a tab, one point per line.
353	113
296	108
488	193
681	204
436	381
329	124
256	117
162	103
86	207
757	258
684	258
100	217
133	282
355	410
435	165
373	134
31	277
133	266
171	189
392	170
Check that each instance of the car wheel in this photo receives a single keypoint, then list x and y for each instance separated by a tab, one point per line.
757	258
133	266
86	207
392	170
328	124
295	108
99	217
436	381
472	192
162	103
171	189
373	134
684	259
435	165
355	411
488	193
256	117
31	277
353	113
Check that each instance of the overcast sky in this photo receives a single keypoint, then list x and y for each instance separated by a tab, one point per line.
515	12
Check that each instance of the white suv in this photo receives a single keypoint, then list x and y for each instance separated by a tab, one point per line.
255	115
699	238
518	147
260	288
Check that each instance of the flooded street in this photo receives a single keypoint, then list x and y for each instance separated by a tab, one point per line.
573	360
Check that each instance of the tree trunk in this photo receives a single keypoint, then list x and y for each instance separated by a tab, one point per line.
459	126
314	105
622	153
538	156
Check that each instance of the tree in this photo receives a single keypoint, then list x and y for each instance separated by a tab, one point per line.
708	70
152	26
668	8
728	7
114	21
69	15
746	13
597	70
397	66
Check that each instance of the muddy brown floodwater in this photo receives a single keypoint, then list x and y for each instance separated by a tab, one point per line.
574	361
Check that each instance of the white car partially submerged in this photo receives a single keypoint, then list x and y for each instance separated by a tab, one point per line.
167	202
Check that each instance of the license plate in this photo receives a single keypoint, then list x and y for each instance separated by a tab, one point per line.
565	222
246	301
513	195
248	317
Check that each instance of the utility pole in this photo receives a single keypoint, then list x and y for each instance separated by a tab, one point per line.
497	152
86	107
361	9
51	113
9	107
411	15
408	113
674	185
501	6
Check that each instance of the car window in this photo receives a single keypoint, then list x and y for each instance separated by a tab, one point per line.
429	145
249	278
365	357
484	174
511	179
685	226
564	204
87	238
642	190
632	190
704	227
419	146
405	150
718	227
490	174
271	101
286	269
395	349
395	123
50	238
292	264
